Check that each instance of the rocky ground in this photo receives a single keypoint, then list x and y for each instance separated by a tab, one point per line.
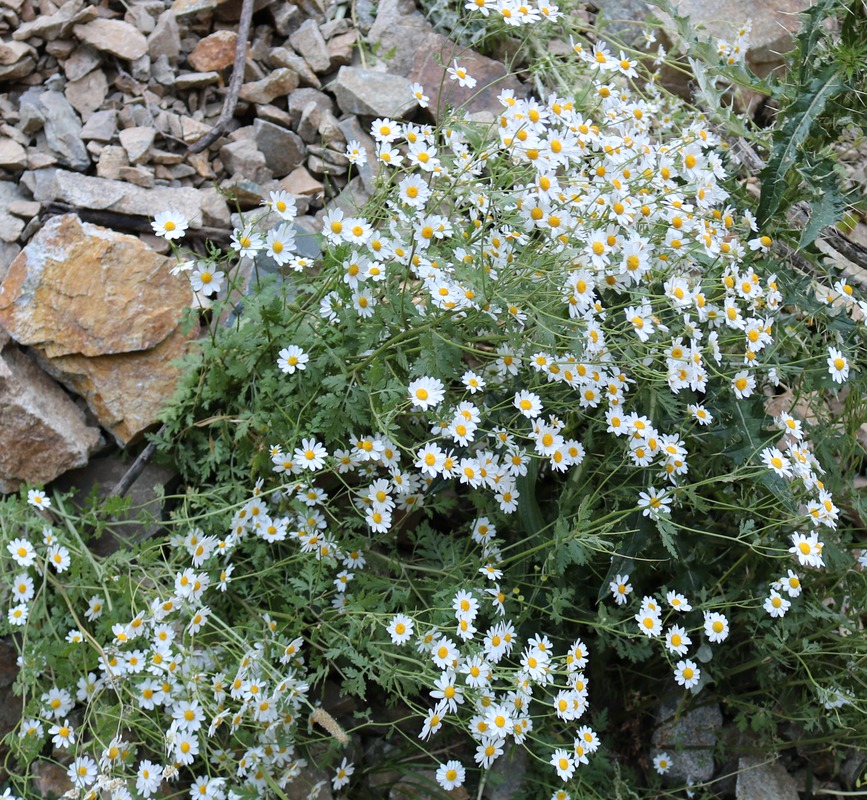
101	107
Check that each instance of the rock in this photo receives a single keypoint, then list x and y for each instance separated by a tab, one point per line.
759	779
373	94
8	253
26	209
12	155
507	775
196	80
301	182
286	17
17	60
273	114
109	195
479	102
284	57
113	36
127	391
50	779
245	159
192	130
57	25
44	433
301	98
111	161
283	150
695	730
138	17
140	176
214	52
137	141
279	82
10	226
309	43
87	94
184	8
399	30
162	72
352	130
99	477
81	289
165	39
101	126
61	124
340	48
82	60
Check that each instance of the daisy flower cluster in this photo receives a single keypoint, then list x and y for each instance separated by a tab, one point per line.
490	683
225	713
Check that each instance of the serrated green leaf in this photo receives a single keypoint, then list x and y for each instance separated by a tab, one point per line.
824	211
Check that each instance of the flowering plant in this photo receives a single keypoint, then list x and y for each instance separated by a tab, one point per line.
550	407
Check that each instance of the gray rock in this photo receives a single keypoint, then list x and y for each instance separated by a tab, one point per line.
101	126
506	775
301	98
280	82
284	57
53	112
12	155
243	158
283	150
137	141
399	30
111	161
87	94
82	60
165	40
17	60
286	16
141	68
309	42
57	25
352	130
696	731
110	195
196	80
373	94
8	253
113	36
760	779
138	16
162	71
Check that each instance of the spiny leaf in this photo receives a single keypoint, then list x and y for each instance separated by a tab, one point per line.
824	211
802	116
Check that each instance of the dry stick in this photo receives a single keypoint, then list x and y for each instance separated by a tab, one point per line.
129	477
235	84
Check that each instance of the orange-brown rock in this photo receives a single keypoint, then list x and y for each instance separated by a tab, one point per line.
214	52
79	288
44	433
126	391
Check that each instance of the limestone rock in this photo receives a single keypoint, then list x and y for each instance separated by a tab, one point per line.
279	82
309	43
98	193
61	124
165	39
44	432
283	150
113	36
196	80
87	94
82	60
137	141
17	59
81	289
214	52
127	391
373	94
245	159
400	30
696	731
10	227
759	779
101	126
12	155
301	182
284	57
480	101
59	24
